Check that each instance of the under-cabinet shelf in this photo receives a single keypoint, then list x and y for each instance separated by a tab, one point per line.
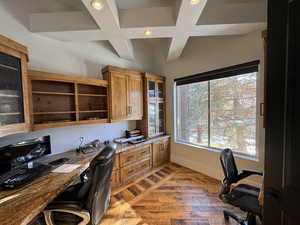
92	111
45	113
51	93
92	95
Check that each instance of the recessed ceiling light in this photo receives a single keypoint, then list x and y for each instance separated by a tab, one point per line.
194	2
148	32
96	4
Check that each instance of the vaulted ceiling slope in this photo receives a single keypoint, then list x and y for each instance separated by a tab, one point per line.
120	21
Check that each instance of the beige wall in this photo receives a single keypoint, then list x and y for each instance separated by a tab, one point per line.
205	54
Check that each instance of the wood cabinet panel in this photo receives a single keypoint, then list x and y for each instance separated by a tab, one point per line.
117	162
132	156
118	97
133	171
126	93
160	152
115	179
135	97
155	153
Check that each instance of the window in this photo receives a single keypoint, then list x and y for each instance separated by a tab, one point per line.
219	113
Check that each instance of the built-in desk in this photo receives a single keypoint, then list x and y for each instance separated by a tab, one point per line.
20	206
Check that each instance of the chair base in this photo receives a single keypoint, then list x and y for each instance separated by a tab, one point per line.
249	220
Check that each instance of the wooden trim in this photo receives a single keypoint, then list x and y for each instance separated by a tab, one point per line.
13	45
152	76
120	70
72	123
39	75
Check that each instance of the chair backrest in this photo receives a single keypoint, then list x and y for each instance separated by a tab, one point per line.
229	167
96	191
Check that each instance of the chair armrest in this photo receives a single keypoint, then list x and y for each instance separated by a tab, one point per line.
253	172
68	208
247	172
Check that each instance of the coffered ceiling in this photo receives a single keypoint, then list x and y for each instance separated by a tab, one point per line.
121	21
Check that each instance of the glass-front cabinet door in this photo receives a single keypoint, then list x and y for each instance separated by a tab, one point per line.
161	118
152	119
160	90
11	92
151	89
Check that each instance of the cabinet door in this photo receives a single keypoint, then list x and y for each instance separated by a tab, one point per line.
164	153
152	122
118	95
151	89
135	98
161	118
14	114
155	153
160	89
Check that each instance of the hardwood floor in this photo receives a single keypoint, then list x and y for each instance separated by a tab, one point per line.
171	195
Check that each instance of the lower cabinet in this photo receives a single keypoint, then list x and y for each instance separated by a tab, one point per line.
133	163
160	152
132	172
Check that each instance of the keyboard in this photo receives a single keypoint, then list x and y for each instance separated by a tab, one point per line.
22	176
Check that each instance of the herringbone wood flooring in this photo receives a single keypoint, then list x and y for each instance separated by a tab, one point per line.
171	195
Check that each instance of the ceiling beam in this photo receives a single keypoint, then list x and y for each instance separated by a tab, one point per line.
226	29
187	18
108	20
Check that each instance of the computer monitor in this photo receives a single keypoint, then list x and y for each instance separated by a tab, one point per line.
23	153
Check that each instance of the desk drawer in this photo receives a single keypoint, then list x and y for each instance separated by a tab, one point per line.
129	172
131	156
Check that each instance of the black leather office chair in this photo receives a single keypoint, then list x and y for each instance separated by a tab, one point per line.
86	202
243	196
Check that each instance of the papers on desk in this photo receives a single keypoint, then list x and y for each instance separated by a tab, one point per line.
66	168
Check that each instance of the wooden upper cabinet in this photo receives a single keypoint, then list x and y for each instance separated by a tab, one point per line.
126	93
135	97
64	100
14	109
153	123
118	96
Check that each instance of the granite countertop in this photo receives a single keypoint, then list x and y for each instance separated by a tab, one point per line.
20	206
127	146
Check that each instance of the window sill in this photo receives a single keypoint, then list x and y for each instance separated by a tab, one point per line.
237	155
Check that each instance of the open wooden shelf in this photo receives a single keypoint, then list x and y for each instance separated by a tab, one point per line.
93	111
51	93
92	95
62	100
45	113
